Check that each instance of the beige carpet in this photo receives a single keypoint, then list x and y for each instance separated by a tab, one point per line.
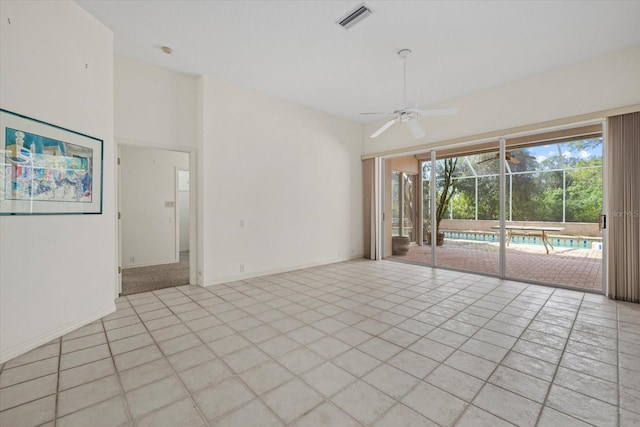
145	279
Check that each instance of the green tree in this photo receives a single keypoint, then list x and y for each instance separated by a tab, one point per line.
446	187
464	201
584	192
537	185
489	198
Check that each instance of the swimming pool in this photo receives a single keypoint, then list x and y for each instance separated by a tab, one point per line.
561	242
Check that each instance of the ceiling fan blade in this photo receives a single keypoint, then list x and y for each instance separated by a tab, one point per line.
384	127
488	159
377	114
436	112
415	128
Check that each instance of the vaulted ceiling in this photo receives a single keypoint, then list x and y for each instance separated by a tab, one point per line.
296	51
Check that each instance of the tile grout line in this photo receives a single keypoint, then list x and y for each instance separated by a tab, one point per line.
79	385
127	409
165	357
309	300
557	367
328	400
234	374
59	350
112	359
498	364
593	359
619	387
294	375
55	407
237	375
30	379
298	377
57	373
399	400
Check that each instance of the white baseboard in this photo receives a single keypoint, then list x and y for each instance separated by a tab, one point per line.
252	275
150	264
15	351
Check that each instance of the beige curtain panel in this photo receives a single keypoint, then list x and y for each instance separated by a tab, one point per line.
623	206
369	208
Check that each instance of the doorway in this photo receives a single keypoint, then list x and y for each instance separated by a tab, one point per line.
402	230
403	205
155	215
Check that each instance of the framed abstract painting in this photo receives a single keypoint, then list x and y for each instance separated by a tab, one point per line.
46	169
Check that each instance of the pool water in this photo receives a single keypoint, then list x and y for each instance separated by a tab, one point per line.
561	242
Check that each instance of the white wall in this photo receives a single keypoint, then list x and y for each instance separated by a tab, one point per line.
157	108
598	84
149	227
57	272
292	174
153	106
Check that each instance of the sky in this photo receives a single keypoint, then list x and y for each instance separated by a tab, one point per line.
543	152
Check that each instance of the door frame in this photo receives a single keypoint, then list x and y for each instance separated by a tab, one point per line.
193	215
404	176
177	199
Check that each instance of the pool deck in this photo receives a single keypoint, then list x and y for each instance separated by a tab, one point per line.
574	267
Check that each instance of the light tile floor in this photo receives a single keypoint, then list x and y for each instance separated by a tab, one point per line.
349	344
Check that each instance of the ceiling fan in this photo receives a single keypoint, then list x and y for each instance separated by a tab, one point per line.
508	156
407	112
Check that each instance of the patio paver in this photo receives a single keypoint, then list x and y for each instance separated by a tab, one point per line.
575	267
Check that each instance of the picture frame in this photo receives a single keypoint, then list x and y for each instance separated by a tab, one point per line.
48	170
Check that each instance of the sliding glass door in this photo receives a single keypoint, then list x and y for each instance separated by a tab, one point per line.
553	206
551	187
467	209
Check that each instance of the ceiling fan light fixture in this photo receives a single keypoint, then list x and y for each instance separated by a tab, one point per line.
354	16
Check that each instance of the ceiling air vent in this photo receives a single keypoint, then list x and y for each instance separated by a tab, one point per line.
355	16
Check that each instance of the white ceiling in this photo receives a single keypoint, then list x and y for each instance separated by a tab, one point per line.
295	50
